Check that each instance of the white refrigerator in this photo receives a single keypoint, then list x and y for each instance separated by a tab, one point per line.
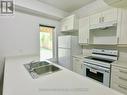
67	47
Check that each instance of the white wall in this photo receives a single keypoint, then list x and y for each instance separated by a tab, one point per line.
19	34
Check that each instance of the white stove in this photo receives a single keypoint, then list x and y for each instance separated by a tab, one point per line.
98	65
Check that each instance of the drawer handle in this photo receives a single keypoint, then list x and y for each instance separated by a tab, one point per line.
125	88
123	71
122	78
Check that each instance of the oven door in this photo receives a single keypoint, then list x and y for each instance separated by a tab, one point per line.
98	73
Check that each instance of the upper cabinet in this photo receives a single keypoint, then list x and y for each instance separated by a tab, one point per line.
110	15
69	23
95	19
106	16
84	30
106	28
103	27
122	27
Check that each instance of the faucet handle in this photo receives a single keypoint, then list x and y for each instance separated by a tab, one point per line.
30	64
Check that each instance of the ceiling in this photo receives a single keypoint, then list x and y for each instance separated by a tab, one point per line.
67	5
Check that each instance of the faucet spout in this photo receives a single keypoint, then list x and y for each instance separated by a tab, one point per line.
31	66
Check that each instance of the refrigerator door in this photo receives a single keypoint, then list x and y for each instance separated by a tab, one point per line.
64	41
64	58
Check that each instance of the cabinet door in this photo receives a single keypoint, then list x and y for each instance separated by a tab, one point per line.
69	23
95	19
109	15
63	27
123	27
84	30
77	65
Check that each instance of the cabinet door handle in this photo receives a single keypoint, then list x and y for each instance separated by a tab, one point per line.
125	88
103	19
122	78
117	40
87	40
100	20
125	72
81	66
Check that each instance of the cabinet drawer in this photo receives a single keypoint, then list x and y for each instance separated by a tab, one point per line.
119	79
119	71
119	87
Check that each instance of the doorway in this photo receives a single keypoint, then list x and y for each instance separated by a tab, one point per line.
46	42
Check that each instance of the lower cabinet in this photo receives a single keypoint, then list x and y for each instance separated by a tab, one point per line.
77	65
119	79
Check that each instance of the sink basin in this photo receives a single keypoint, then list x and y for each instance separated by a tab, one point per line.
36	69
46	69
38	64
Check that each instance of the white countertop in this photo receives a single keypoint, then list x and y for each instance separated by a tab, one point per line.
120	63
81	56
17	81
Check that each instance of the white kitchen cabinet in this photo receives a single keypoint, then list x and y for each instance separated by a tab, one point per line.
119	79
95	19
103	36
110	15
77	65
84	30
69	23
122	27
106	16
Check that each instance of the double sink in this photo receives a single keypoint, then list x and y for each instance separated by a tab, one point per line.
37	69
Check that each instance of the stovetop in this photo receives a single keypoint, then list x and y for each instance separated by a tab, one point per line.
100	59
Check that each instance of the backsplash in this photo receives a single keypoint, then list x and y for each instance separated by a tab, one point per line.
87	50
123	54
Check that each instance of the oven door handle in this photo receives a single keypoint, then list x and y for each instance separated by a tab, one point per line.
98	68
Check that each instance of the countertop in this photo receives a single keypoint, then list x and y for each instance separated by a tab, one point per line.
120	63
17	81
81	56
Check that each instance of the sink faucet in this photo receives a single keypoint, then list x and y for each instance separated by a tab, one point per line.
31	64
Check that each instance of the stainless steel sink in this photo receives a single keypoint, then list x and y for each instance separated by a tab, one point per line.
36	69
46	69
38	64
